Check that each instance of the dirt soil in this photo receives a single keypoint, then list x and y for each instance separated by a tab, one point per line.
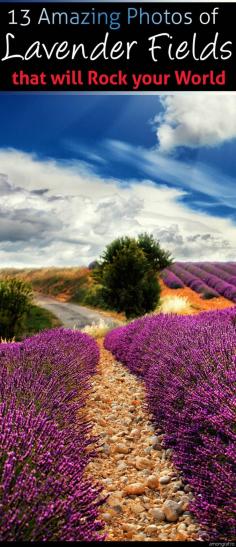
198	304
147	500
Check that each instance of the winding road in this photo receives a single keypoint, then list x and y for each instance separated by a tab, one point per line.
72	315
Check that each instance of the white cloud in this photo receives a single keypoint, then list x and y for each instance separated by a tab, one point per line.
195	120
56	214
200	246
197	177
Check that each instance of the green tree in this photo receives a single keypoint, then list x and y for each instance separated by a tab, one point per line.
157	257
15	301
127	273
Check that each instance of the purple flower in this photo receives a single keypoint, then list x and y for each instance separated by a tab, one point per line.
171	280
206	278
189	367
45	439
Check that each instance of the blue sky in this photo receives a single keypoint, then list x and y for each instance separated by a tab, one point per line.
78	170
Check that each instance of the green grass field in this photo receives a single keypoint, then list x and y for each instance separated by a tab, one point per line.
39	319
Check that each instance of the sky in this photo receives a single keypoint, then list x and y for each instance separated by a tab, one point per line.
77	171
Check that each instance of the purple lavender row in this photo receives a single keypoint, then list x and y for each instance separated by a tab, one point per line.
45	440
222	287
229	267
171	280
193	281
216	270
189	366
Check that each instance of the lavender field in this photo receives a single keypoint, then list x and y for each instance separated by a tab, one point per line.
45	446
209	279
187	365
189	368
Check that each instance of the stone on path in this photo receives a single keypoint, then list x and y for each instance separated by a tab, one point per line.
135	489
172	510
153	482
146	500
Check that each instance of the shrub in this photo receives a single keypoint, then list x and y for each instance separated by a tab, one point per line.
189	367
15	300
97	330
94	297
175	304
128	274
45	440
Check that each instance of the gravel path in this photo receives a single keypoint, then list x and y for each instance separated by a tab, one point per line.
72	315
147	500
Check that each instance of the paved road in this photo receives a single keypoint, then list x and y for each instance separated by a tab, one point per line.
73	315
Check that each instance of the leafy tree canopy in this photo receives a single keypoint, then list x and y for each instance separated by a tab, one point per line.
128	271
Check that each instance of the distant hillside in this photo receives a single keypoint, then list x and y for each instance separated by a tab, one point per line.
77	285
64	283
